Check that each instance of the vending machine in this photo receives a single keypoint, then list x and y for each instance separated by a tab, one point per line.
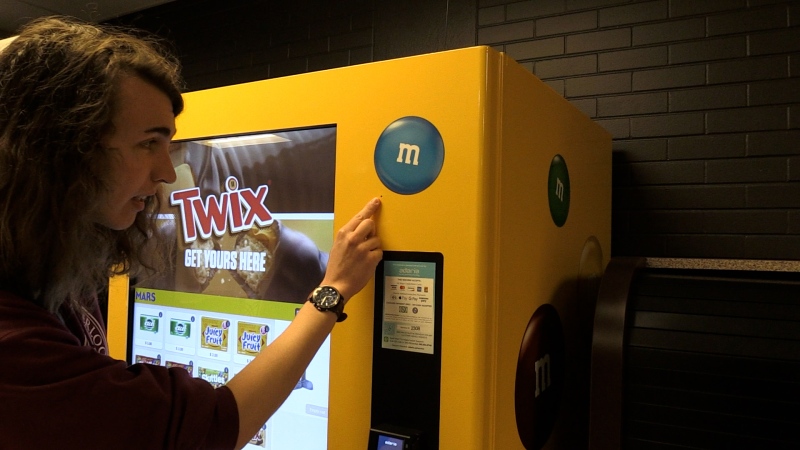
475	331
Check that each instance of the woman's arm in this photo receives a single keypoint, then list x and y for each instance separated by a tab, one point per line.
263	385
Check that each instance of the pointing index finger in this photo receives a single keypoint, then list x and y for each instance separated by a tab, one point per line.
368	211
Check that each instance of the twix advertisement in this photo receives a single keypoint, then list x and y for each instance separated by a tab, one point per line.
252	216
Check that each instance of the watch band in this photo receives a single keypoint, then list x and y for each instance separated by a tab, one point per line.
338	310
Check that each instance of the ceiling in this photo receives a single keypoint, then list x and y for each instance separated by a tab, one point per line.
15	13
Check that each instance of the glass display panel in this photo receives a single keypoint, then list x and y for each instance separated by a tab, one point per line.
250	225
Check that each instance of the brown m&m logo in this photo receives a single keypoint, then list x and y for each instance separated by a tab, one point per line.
540	377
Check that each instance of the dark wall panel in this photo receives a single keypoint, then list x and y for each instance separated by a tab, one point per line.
413	27
223	43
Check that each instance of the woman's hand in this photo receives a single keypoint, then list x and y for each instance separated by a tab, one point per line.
355	253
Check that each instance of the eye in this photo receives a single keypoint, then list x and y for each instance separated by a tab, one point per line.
156	144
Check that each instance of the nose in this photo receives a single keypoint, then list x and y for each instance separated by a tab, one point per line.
169	176
163	171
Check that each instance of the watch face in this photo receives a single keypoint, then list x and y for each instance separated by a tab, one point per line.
327	297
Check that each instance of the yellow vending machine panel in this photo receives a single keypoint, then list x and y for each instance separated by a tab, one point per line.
495	224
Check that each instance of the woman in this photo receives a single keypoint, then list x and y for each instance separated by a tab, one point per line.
86	118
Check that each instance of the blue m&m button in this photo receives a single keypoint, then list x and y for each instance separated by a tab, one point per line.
409	155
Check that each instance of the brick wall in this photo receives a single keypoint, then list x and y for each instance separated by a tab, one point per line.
222	43
702	99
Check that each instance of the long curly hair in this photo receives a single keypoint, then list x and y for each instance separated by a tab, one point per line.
58	83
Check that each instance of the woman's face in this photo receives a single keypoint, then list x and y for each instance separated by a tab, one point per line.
143	128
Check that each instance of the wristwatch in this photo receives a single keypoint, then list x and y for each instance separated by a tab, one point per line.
327	298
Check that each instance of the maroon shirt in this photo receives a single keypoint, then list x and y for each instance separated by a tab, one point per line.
60	389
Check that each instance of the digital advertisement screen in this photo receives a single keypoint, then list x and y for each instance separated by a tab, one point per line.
252	221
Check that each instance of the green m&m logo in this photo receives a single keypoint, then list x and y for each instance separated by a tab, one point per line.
558	190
